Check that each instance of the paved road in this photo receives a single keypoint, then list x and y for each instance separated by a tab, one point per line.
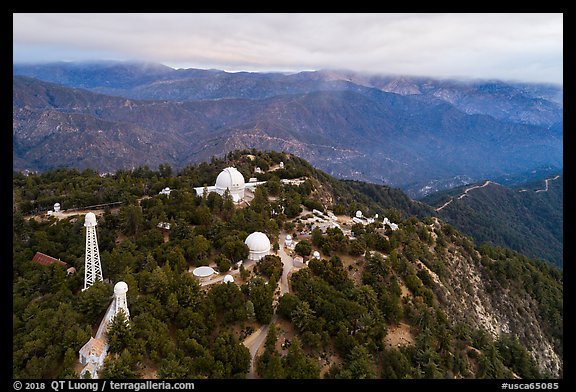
257	339
288	265
253	343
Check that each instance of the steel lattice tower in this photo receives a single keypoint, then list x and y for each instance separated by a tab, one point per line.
92	267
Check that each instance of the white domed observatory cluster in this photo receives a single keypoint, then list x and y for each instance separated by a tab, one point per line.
259	245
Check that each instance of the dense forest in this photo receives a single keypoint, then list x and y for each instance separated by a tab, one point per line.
337	321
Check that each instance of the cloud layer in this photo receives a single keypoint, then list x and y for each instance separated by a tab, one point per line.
505	46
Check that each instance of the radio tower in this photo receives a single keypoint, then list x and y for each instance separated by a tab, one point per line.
92	267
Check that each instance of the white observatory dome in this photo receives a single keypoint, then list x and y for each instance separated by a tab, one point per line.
358	214
259	245
228	279
56	207
316	254
90	220
230	178
120	288
203	272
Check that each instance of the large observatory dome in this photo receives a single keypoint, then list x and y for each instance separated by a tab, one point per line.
90	219
230	178
259	245
120	288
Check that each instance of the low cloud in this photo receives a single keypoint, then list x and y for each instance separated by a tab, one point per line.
506	46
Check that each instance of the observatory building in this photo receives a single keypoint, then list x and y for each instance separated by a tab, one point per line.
93	353
203	272
229	178
288	242
120	290
92	266
259	245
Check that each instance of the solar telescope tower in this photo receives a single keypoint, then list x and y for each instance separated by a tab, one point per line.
92	266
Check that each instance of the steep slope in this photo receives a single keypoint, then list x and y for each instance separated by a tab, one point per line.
527	218
422	301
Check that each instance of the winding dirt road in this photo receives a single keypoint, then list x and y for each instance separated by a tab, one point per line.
465	193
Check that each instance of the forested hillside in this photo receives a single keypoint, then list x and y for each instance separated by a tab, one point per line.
527	217
422	301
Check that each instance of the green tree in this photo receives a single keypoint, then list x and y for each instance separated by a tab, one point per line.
120	334
119	366
361	364
261	295
222	263
131	219
234	356
303	248
94	301
297	364
235	250
270	265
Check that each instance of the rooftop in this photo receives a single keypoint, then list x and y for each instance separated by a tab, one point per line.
45	260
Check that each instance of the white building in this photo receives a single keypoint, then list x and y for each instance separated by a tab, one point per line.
228	279
316	255
93	353
288	242
393	226
163	225
166	191
203	272
92	356
57	207
259	245
230	178
120	290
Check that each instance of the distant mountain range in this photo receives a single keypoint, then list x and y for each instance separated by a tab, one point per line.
526	217
419	134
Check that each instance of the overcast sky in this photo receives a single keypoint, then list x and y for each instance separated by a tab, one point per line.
525	47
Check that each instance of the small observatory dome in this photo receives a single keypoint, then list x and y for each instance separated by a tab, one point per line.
358	214
56	207
90	220
259	245
120	288
316	254
228	279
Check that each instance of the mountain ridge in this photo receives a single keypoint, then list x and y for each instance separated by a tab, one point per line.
395	131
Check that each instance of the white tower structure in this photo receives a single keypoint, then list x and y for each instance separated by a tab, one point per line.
92	266
120	303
